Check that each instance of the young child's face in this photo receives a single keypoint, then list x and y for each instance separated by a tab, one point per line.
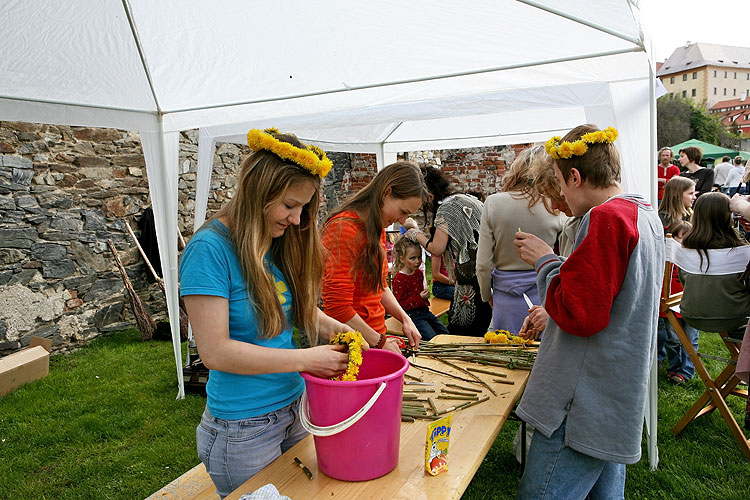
412	259
678	236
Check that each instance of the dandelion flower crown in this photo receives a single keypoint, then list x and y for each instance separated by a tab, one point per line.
311	158
565	149
354	342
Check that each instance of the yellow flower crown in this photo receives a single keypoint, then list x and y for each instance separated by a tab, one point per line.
565	149
353	341
312	158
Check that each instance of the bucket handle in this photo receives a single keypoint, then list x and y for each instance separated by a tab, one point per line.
330	430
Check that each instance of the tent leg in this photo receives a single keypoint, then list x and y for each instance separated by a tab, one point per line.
161	151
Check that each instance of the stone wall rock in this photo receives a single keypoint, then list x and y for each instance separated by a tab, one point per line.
65	190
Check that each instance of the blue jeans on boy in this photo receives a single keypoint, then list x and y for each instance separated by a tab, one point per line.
557	472
427	323
442	291
235	450
669	347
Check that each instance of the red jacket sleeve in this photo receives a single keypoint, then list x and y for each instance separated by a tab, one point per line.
579	299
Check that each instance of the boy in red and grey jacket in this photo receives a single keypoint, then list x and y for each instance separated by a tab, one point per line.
586	395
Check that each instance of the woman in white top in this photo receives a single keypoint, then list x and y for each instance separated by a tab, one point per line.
503	277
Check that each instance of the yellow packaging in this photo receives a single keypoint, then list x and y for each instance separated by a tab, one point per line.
436	448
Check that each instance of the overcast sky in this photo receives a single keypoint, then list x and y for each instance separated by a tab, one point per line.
671	23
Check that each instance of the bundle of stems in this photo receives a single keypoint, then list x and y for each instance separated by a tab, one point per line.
508	356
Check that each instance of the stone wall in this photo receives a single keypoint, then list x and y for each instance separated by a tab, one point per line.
65	190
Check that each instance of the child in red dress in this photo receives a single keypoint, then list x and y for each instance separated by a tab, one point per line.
408	288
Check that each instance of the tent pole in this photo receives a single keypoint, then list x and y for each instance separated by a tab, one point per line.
653	381
579	20
161	150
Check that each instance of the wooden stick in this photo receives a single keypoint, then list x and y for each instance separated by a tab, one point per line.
143	319
487	372
145	259
479	380
501	381
470	389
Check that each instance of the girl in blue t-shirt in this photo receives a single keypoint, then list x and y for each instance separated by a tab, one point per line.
247	276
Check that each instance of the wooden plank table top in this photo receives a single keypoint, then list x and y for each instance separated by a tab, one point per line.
473	433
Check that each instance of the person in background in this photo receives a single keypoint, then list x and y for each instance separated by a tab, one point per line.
734	177
443	287
723	302
355	289
409	290
721	171
594	334
456	218
503	277
247	276
680	367
666	169
690	158
679	196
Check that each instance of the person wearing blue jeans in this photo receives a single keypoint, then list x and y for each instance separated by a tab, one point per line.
669	347
586	394
249	275
554	470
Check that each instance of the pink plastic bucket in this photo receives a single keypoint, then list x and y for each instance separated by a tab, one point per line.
368	448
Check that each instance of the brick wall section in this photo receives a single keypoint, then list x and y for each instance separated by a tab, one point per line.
65	190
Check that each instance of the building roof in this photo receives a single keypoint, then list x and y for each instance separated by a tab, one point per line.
731	103
696	55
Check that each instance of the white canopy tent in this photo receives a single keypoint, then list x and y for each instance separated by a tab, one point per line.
382	76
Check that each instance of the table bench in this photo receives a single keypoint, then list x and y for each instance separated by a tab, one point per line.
472	435
438	307
195	484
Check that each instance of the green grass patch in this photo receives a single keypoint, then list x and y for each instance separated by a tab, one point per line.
106	424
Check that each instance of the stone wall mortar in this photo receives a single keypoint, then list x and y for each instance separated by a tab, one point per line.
65	190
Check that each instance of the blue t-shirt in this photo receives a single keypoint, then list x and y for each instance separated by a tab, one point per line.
209	266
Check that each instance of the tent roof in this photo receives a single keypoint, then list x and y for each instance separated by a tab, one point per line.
710	151
180	64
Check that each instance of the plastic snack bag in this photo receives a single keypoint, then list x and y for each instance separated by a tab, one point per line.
436	447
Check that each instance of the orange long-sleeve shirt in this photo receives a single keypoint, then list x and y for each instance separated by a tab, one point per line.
343	295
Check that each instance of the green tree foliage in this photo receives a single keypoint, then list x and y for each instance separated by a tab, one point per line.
678	119
672	120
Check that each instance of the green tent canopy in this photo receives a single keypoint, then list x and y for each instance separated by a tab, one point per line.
710	152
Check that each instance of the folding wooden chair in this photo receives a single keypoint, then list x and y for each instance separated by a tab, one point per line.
717	389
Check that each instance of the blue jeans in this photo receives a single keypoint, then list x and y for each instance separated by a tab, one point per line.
669	347
427	323
442	291
557	472
235	450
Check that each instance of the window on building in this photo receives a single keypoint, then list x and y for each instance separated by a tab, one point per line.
714	73
695	75
735	92
725	91
684	93
692	93
671	79
748	77
684	77
735	75
725	74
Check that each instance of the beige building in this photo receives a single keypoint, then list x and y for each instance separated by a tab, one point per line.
707	73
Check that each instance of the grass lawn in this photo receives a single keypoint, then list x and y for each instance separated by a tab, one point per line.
105	424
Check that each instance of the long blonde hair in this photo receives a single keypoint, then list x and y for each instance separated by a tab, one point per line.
263	181
672	207
402	180
520	176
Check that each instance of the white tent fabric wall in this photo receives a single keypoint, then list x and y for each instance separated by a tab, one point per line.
350	79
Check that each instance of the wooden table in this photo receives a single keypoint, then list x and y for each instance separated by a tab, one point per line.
473	433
